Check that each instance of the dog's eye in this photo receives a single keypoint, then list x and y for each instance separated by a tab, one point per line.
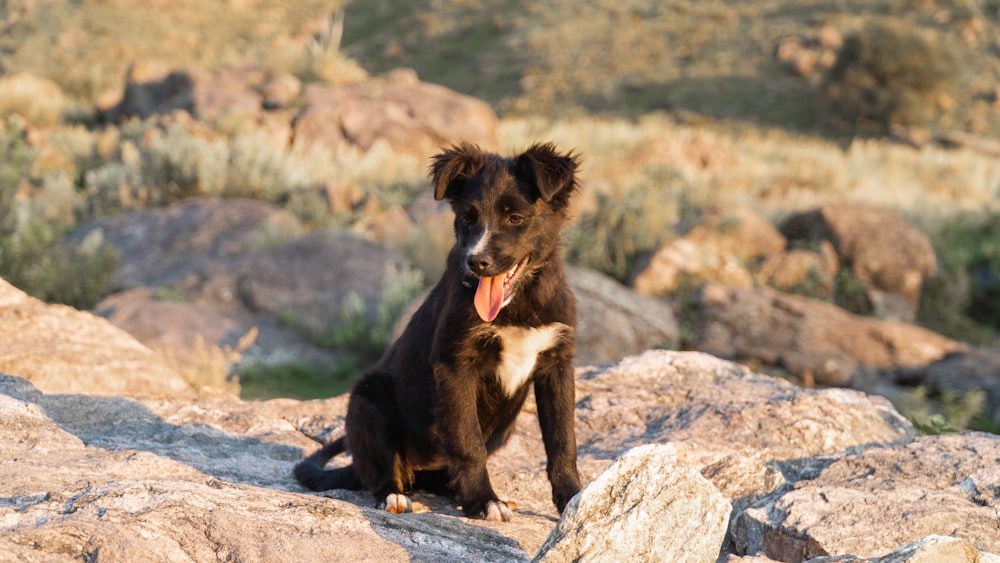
467	219
515	219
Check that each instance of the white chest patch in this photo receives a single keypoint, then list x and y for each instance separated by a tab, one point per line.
519	351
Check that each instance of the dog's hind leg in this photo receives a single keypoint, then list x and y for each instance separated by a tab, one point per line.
374	433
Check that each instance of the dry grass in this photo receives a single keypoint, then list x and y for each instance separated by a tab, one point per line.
86	46
775	172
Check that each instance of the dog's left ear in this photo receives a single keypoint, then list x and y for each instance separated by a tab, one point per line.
553	173
459	162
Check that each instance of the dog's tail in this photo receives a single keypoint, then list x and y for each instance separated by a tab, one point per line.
311	473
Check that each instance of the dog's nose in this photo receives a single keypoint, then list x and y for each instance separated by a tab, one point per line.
478	263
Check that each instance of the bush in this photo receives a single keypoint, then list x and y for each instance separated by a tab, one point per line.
890	73
16	162
963	300
79	276
620	231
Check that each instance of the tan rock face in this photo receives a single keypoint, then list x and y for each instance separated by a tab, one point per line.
719	249
890	257
868	503
412	117
646	506
812	339
62	350
129	478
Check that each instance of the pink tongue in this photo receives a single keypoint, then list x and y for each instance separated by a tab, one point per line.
489	298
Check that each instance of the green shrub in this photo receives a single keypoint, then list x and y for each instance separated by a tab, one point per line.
850	294
16	161
367	337
77	275
946	412
890	73
963	300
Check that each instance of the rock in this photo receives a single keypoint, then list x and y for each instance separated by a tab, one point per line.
890	257
62	350
152	88
281	90
411	117
212	474
869	503
173	485
160	247
932	549
718	249
314	282
39	101
614	321
711	409
802	271
813	340
646	506
203	274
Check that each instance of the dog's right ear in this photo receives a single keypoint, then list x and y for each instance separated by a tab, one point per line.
459	162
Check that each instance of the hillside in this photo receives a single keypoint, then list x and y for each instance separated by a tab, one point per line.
718	59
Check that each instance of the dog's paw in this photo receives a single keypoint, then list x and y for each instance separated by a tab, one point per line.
397	503
491	511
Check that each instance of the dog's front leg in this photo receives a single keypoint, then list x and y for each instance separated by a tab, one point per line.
463	442
555	394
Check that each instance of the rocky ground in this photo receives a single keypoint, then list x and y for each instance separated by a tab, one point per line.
714	461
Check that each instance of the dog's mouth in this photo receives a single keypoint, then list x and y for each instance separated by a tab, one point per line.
494	292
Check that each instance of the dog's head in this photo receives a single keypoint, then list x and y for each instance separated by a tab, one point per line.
508	214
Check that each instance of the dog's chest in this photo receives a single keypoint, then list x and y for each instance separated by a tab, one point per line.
519	350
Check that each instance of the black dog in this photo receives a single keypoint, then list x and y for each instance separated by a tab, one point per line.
500	320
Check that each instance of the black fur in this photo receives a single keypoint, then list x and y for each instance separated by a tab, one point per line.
434	407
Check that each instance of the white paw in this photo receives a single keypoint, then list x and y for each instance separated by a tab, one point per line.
397	503
498	511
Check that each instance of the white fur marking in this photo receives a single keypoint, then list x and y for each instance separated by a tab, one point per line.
519	351
398	503
480	245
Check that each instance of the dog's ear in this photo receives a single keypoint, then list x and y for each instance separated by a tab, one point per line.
552	172
456	163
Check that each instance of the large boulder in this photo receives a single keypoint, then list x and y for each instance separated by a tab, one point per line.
163	246
720	248
62	350
410	116
203	274
613	321
37	100
888	255
869	503
154	88
397	109
192	478
814	340
647	507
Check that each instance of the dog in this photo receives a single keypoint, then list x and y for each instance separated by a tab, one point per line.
501	321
